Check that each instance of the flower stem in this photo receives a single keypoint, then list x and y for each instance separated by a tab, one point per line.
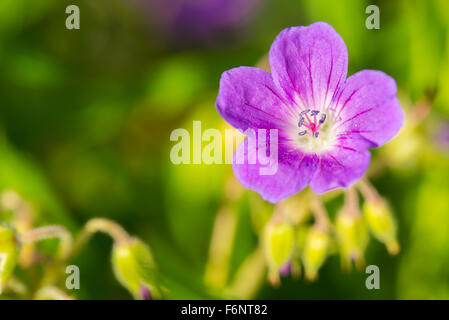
223	234
319	213
368	191
279	212
220	250
249	276
352	203
51	232
111	228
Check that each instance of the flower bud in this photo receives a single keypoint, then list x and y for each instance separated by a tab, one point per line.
315	252
300	237
135	269
279	243
353	237
9	252
381	223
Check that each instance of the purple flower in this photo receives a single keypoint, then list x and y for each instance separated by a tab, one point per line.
326	123
202	21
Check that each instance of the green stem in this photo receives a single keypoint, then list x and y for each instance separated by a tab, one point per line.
51	232
352	203
319	213
368	191
220	250
111	228
249	277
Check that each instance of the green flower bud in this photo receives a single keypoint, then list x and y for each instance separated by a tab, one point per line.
381	223
9	253
278	243
353	237
301	236
315	252
135	269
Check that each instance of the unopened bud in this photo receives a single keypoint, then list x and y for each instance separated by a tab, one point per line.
135	269
279	243
315	252
381	223
301	236
353	237
9	252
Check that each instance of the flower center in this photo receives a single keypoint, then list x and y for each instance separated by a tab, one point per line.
311	126
315	134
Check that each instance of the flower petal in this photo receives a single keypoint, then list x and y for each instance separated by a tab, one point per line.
368	107
294	171
309	64
342	166
248	99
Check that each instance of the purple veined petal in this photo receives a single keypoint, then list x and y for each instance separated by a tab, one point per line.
342	166
309	64
367	106
248	98
294	172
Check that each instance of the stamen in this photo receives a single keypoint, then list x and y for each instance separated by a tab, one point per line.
323	118
304	112
311	124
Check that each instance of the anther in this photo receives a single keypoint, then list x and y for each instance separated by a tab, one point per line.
310	124
323	118
304	112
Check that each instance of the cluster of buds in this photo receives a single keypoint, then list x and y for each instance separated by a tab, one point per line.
288	243
20	214
18	237
9	252
132	260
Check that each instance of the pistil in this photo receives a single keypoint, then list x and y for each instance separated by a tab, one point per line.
312	125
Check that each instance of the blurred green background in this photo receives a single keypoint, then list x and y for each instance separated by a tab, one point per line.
86	116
